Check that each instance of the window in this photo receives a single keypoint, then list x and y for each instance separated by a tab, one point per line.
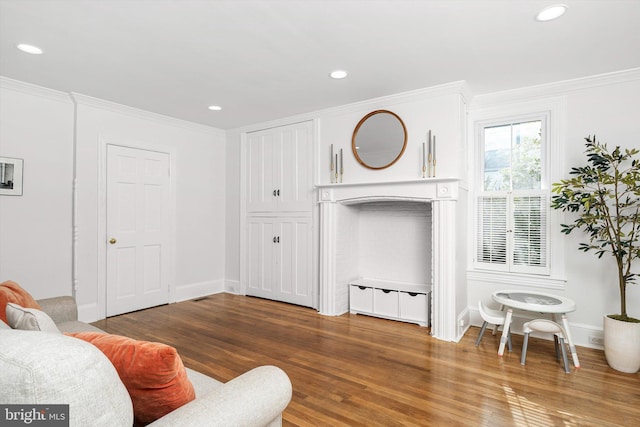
512	203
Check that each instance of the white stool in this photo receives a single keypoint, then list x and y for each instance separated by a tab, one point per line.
544	325
493	317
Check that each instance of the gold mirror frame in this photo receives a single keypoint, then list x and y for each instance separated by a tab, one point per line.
356	147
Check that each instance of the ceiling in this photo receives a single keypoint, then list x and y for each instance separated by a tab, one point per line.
265	60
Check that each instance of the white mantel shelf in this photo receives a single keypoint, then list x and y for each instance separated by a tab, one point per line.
404	181
426	189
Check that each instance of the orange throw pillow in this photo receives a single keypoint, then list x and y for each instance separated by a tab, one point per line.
12	292
152	372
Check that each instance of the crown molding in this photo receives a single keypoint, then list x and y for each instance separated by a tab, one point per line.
114	107
31	89
455	88
73	97
555	88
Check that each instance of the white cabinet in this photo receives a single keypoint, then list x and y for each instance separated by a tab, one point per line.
280	259
404	302
279	169
278	243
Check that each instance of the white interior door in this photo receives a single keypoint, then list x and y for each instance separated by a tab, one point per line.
137	229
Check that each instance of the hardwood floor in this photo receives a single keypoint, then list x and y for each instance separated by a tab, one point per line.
355	370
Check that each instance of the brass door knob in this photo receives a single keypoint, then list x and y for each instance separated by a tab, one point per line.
112	241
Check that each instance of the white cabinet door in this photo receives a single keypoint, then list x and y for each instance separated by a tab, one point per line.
280	259
261	194
279	169
294	168
261	248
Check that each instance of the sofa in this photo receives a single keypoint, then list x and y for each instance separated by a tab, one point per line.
54	368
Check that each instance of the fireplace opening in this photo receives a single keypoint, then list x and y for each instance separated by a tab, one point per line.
386	241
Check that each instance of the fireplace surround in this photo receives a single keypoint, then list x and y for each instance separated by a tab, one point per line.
444	266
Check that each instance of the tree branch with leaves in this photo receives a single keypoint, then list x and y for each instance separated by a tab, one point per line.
606	196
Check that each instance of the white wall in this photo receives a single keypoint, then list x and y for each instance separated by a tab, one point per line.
435	111
200	179
608	107
612	112
36	125
441	109
37	229
232	203
394	241
36	232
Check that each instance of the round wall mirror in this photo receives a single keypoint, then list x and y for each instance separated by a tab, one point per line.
379	139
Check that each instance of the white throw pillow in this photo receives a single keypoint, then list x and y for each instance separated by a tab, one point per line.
56	369
29	319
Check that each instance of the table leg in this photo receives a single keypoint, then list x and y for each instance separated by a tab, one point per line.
505	331
572	347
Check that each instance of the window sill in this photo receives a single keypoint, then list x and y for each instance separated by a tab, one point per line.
515	279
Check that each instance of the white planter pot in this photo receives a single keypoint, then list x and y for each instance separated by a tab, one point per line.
622	345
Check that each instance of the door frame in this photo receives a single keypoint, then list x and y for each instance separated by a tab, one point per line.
101	238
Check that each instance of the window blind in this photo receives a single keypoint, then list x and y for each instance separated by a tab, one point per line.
492	231
512	232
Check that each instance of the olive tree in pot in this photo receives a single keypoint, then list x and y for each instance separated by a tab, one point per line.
606	196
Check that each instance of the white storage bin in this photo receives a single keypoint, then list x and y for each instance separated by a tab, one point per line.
414	306
385	302
361	298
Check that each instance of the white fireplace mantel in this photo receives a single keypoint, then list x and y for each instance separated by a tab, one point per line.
442	194
425	190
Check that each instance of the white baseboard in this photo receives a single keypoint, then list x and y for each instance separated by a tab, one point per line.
91	312
232	287
463	324
199	289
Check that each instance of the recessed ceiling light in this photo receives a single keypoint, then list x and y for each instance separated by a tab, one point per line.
551	12
215	107
35	50
338	74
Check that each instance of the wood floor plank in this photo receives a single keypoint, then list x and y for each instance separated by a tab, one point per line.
354	370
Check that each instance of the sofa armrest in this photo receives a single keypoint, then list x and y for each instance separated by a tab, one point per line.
60	309
255	398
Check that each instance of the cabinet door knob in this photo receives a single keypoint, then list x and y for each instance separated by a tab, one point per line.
112	241
274	239
278	192
274	193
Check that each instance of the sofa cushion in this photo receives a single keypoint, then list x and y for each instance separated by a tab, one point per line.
77	326
39	368
12	292
4	325
29	319
153	373
202	384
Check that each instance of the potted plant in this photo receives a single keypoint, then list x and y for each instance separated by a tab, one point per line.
606	196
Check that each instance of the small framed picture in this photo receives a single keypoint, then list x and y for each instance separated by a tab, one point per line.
10	176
